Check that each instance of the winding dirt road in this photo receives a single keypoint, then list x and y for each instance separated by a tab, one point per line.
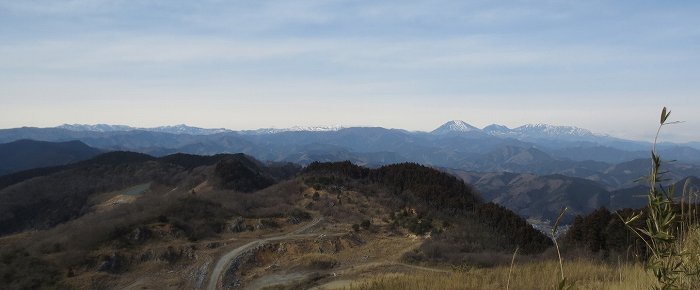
220	266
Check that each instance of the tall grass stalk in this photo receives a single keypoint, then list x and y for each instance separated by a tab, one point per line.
660	235
510	271
562	283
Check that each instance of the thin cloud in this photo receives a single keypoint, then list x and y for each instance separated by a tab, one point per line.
449	56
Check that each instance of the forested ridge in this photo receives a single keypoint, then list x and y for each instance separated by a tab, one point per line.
437	194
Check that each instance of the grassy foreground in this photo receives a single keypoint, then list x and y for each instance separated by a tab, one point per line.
585	274
535	276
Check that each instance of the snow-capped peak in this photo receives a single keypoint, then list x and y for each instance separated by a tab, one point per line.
542	131
184	129
495	129
316	128
264	131
552	131
176	129
96	127
455	126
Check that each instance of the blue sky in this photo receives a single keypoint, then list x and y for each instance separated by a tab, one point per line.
608	66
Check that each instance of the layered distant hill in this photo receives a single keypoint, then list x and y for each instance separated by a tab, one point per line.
543	196
517	168
539	149
27	154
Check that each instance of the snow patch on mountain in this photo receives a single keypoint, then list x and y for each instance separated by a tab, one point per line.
543	131
497	130
96	127
176	129
184	129
265	131
551	130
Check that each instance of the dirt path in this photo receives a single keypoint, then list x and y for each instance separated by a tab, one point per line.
220	266
374	265
423	268
276	279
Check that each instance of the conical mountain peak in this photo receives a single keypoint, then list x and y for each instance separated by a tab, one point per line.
455	126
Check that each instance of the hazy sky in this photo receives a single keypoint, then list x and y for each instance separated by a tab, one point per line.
608	66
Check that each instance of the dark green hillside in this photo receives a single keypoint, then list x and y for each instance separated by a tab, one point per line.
110	158
603	230
470	225
429	186
190	161
41	198
17	177
241	173
44	201
27	154
117	158
277	170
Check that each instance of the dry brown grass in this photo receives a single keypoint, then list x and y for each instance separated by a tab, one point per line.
318	261
690	244
531	276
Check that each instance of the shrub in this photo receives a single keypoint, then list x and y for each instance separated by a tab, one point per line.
20	270
269	223
197	218
365	224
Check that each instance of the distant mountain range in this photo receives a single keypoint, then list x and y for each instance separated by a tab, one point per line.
189	130
176	129
537	149
265	131
555	135
527	180
528	131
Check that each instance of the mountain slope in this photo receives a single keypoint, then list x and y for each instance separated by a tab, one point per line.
540	197
135	221
597	153
543	196
628	174
529	160
27	154
432	194
42	199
